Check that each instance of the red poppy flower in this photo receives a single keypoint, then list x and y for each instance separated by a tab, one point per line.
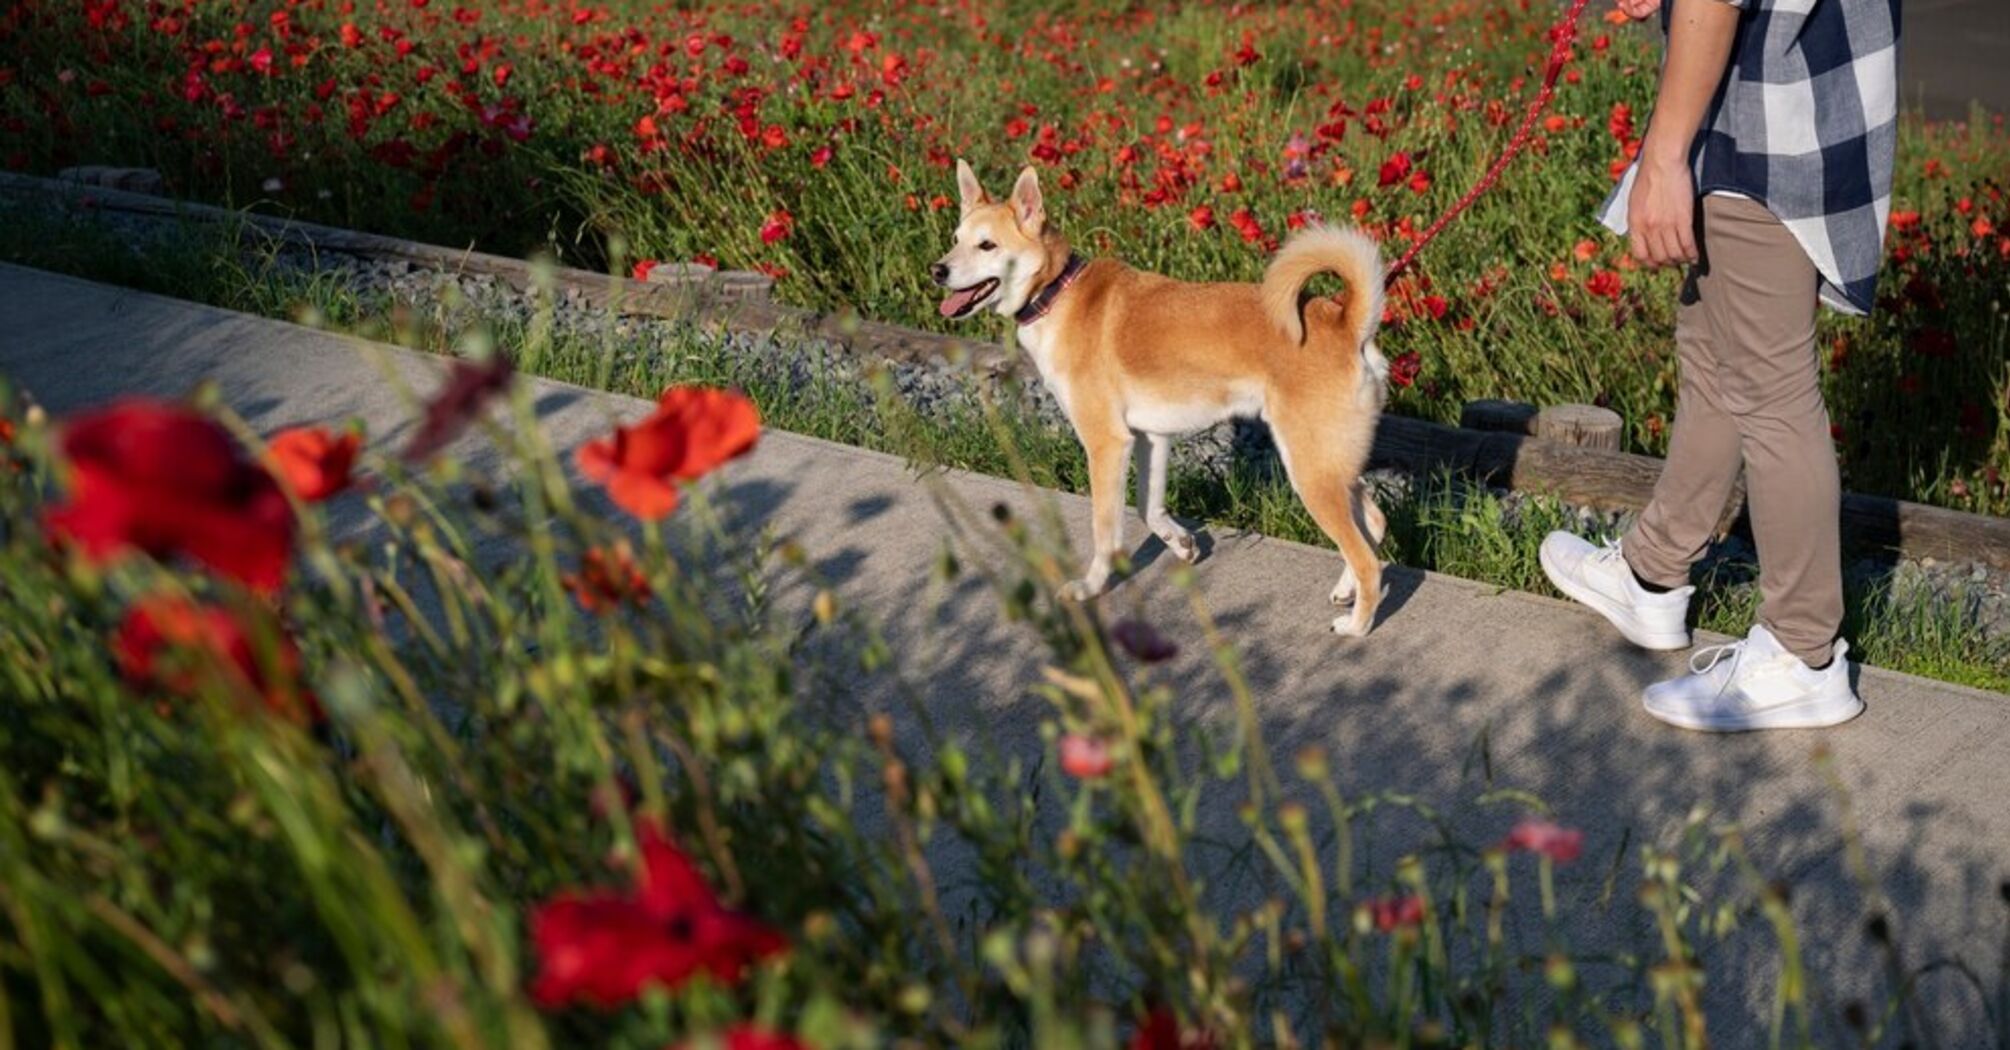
1394	170
640	271
1620	122
750	1037
778	225
1394	913
1403	370
1559	844
312	462
1085	757
158	478
1933	342
603	948
1606	284
1160	1030
607	578
172	644
692	432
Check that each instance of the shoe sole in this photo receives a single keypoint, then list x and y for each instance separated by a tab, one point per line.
1821	714
1614	614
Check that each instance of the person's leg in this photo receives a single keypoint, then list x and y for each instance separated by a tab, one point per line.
1703	451
1761	309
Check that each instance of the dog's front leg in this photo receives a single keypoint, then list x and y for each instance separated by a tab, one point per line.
1152	499
1109	452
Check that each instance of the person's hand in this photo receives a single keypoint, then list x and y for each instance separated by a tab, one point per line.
1661	213
1638	9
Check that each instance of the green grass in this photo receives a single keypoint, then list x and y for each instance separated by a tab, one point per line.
1446	525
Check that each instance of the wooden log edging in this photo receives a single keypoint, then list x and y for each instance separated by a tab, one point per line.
1591	477
1625	481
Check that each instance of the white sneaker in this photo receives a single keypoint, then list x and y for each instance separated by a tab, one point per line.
1600	578
1755	684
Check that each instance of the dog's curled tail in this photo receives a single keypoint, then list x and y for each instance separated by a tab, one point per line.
1341	250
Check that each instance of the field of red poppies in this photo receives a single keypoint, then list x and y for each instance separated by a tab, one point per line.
815	142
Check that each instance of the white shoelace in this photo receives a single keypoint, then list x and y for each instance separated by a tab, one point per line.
1712	655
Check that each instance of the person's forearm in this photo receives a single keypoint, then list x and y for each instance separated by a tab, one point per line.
1700	33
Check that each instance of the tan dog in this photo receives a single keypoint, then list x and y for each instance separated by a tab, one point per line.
1134	354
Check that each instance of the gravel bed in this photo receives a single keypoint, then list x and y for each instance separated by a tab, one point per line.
457	302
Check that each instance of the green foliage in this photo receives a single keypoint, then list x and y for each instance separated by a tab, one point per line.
181	865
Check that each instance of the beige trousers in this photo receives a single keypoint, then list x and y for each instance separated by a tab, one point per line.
1751	396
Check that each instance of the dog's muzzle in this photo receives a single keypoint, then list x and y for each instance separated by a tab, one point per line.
939	273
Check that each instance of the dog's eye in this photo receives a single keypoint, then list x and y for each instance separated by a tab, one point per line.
985	246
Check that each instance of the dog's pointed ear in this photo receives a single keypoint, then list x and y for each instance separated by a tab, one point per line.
967	185
1027	205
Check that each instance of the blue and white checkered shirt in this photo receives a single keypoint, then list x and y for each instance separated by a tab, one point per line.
1806	122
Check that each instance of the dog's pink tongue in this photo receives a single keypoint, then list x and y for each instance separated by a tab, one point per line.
958	301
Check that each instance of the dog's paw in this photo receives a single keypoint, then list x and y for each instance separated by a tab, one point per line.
1346	589
1184	547
1348	627
1079	591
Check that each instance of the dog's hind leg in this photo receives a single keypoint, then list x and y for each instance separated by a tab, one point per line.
1109	451
1152	456
1322	471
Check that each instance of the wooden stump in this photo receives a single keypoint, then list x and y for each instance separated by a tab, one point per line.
1585	426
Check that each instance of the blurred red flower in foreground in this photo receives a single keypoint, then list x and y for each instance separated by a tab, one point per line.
171	643
748	1037
467	390
1085	757
160	478
1160	1031
607	578
1559	844
604	948
1393	913
1144	641
692	432
311	461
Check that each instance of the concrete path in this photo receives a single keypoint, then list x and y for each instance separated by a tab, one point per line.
1950	53
1549	690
